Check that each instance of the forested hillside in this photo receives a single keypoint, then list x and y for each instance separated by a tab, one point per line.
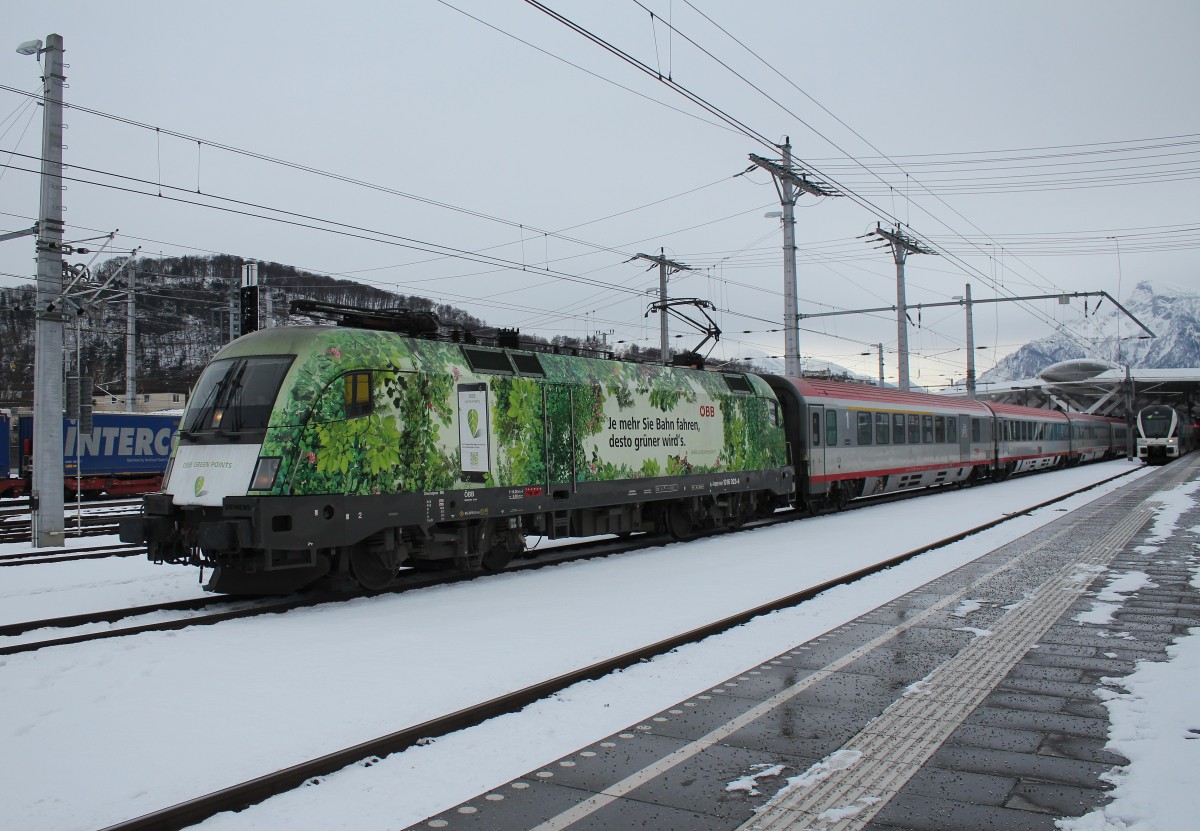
182	320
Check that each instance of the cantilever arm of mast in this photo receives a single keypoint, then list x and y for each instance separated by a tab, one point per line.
28	232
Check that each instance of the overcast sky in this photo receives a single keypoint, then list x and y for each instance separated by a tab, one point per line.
1028	141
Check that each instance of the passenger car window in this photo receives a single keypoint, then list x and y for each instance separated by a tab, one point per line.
927	429
897	428
816	429
831	438
951	429
914	429
883	431
939	429
864	428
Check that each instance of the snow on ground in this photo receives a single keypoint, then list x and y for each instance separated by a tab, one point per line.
1154	722
36	592
96	733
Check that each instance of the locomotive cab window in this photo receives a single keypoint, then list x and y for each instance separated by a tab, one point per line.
356	393
235	395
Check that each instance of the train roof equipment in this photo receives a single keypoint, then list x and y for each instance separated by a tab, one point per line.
417	324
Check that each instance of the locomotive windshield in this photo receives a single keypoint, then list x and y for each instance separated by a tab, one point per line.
1156	422
235	395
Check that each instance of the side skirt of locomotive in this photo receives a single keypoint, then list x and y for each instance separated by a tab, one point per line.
273	545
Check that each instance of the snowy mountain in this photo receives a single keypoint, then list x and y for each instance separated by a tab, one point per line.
1172	312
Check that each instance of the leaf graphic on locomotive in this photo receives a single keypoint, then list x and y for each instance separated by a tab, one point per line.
409	440
396	448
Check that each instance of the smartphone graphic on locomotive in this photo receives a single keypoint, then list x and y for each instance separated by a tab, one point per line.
473	448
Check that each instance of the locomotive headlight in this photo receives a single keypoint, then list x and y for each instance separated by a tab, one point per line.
264	473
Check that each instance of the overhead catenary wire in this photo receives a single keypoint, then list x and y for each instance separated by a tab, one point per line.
547	257
760	138
968	267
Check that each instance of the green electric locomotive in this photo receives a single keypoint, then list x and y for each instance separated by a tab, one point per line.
337	452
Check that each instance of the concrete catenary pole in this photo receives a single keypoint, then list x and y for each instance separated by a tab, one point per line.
788	182
902	378
48	521
130	348
901	245
791	321
970	343
665	267
664	332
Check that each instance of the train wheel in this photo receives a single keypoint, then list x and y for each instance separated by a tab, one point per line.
374	569
679	521
841	499
496	558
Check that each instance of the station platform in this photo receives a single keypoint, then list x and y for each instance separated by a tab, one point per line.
968	703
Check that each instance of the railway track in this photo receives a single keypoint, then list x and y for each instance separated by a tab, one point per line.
250	607
408	581
243	795
22	530
95	552
87	519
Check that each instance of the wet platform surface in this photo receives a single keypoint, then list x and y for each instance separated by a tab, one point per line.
968	703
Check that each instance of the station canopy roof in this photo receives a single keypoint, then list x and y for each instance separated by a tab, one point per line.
1100	387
